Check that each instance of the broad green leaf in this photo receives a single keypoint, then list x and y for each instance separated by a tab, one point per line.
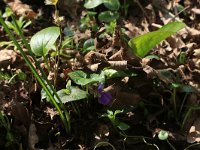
142	44
92	3
44	40
80	78
77	75
112	4
108	16
98	77
75	94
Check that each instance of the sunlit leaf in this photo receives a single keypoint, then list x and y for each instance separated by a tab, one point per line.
112	73
92	3
142	44
75	94
44	40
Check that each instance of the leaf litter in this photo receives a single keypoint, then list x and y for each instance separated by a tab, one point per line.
147	96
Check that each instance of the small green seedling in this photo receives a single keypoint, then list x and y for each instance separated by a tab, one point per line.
21	23
142	44
115	121
163	135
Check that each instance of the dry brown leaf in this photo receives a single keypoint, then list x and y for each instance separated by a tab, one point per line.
118	64
7	57
21	9
32	137
117	56
196	11
92	57
194	132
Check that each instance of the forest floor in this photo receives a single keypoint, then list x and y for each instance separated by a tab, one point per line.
156	95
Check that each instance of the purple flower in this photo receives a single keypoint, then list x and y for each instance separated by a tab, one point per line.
104	97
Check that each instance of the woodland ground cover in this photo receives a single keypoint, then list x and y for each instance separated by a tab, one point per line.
99	74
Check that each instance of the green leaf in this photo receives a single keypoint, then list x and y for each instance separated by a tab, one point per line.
68	32
108	16
142	44
80	78
77	75
163	135
123	126
44	40
111	73
88	45
76	94
89	4
112	4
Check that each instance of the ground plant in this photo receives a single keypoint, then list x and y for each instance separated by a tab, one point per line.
99	74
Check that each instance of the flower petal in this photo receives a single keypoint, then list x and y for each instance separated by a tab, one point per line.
105	98
100	88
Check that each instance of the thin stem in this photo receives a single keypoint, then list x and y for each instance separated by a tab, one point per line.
171	145
47	64
67	116
174	101
30	65
104	143
182	104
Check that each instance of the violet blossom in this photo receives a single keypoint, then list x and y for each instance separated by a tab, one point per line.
104	97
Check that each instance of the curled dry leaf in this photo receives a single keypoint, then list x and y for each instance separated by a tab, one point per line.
118	64
7	57
92	57
21	9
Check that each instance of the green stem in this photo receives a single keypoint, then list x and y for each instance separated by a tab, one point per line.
42	83
174	101
47	64
171	145
182	104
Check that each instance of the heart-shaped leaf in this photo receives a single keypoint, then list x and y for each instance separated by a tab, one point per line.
112	4
108	16
75	94
142	44
89	4
80	77
44	40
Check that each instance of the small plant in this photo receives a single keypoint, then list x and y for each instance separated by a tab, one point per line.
42	79
20	22
115	121
142	44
